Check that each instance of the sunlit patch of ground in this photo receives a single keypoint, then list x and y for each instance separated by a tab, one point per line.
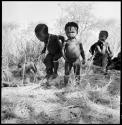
95	101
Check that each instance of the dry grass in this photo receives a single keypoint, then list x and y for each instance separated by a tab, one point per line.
96	100
93	102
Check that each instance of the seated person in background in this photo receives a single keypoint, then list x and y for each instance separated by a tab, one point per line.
115	63
72	51
101	51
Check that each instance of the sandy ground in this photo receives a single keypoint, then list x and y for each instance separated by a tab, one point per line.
95	101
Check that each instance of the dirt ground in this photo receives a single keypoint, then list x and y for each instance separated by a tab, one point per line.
95	101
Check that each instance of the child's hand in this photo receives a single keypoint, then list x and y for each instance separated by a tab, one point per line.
111	55
65	58
90	58
43	51
98	49
104	50
43	57
83	61
63	55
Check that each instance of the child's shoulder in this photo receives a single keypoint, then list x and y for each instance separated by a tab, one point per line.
60	37
53	36
66	40
93	46
97	43
79	42
106	43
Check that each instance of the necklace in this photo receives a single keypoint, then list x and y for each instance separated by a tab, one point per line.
47	44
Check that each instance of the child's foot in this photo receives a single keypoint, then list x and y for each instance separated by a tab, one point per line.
46	85
61	95
105	72
64	85
48	76
54	75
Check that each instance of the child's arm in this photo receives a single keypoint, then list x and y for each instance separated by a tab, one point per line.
63	51
109	51
92	49
61	41
98	49
44	49
82	52
61	38
43	53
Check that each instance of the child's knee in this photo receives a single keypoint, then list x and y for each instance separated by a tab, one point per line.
56	58
77	77
67	73
56	61
46	60
77	72
77	69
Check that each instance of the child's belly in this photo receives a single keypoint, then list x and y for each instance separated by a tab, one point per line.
72	51
104	50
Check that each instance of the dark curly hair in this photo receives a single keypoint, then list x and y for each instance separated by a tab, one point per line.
71	24
104	32
41	27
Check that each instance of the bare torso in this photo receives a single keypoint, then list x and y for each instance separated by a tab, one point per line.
72	50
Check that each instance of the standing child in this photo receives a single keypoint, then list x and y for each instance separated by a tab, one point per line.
101	51
52	44
72	50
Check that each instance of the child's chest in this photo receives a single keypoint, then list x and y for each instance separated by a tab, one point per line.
102	45
72	45
72	50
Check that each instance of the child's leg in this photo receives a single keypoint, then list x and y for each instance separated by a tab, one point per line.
109	62
56	62
68	67
104	62
77	70
97	60
48	61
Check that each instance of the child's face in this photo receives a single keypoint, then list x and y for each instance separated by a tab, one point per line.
102	37
71	32
41	36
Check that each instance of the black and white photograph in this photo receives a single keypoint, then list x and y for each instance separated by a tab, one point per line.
61	62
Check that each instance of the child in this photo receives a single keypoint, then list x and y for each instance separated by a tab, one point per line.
53	44
101	51
72	50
